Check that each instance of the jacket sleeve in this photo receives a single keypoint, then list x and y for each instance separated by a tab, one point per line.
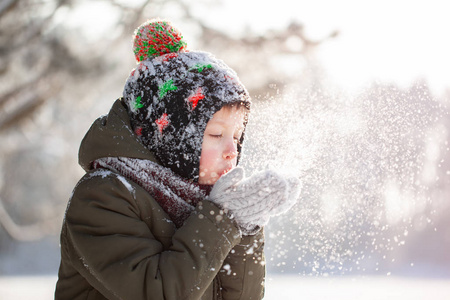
243	271
115	250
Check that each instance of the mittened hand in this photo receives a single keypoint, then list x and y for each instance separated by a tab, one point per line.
253	200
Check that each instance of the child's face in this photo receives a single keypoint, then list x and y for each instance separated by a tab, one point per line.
220	140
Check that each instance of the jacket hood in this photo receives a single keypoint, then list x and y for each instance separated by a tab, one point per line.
112	136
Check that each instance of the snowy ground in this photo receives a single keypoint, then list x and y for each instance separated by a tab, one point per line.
278	287
349	288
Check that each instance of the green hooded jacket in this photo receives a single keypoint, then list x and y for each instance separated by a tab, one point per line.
118	243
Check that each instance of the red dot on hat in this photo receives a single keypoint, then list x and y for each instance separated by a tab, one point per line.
196	97
162	122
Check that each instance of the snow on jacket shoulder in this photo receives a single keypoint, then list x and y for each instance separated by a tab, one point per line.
118	243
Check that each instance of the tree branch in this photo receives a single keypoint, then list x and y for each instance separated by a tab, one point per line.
24	111
6	5
25	233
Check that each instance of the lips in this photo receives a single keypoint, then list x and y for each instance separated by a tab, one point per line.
225	171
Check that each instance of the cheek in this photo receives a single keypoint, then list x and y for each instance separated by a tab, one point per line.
208	158
234	162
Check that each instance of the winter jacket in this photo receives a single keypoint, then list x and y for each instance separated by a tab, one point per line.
118	243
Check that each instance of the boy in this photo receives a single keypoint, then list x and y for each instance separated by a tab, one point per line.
163	212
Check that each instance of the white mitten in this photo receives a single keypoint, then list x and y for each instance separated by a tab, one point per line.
253	200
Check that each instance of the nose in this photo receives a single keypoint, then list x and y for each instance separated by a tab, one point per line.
230	150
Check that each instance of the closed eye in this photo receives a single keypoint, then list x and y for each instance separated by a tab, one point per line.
216	136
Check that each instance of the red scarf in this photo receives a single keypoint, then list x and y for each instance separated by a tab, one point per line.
176	195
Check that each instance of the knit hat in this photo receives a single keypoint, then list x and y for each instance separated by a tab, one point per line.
173	93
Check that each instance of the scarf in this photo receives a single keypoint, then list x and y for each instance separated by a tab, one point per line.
176	195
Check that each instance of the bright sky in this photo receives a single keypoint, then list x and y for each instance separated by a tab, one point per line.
388	40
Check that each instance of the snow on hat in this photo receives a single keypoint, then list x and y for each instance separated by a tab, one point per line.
173	93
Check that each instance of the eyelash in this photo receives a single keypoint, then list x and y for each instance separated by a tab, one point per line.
218	136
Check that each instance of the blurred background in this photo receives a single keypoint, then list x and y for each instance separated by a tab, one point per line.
350	96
